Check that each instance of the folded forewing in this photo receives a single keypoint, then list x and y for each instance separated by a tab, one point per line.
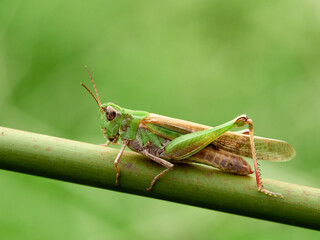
266	148
236	143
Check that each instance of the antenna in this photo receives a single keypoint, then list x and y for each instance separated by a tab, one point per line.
99	105
93	84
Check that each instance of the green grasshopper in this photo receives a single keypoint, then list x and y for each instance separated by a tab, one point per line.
166	140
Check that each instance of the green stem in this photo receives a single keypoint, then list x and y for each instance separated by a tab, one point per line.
194	184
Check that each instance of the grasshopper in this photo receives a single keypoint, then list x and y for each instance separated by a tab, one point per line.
168	140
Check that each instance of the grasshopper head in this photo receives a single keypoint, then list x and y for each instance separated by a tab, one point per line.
110	115
110	120
116	121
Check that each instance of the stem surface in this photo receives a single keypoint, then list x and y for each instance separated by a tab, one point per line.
191	184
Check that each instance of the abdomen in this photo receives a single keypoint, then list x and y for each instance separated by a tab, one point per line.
223	160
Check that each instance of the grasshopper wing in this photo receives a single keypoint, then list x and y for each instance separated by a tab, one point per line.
236	143
266	148
171	127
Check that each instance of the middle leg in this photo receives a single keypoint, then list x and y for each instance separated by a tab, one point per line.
168	165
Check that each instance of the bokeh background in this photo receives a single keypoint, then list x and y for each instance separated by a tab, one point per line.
206	61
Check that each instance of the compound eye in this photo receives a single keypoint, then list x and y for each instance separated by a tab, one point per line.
111	113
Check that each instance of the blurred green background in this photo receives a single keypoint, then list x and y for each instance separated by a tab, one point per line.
199	60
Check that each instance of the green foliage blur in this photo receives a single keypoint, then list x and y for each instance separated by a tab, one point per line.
198	60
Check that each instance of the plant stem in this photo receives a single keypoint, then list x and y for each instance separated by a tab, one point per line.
191	184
